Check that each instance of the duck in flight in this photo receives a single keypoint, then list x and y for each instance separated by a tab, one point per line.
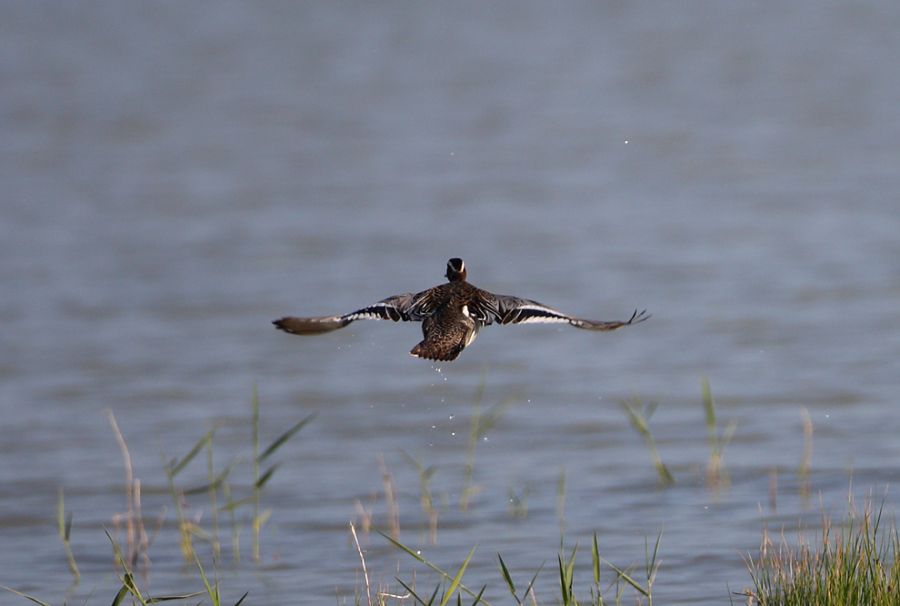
451	315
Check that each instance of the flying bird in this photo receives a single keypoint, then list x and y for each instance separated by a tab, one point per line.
451	315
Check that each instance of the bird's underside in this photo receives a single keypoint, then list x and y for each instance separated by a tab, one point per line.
451	315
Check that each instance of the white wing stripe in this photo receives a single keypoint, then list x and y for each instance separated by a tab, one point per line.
544	320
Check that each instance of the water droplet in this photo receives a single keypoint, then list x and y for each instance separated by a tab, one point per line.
451	416
452	433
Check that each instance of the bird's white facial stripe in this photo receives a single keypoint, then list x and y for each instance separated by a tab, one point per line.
465	311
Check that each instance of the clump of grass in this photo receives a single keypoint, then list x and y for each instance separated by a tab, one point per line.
451	584
716	475
480	425
426	499
455	581
131	592
260	479
136	539
639	416
135	535
390	498
186	528
858	563
190	529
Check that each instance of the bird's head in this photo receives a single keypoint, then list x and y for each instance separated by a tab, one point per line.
456	270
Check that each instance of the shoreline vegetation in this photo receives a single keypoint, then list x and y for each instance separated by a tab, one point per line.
855	560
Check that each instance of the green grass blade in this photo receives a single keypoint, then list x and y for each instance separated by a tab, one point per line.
563	585
232	505
709	406
280	440
117	551
570	567
214	485
637	420
211	590
24	595
120	595
509	582
627	578
477	598
64	526
651	561
170	598
595	560
128	581
265	476
433	595
533	580
403	547
200	445
412	593
241	601
458	578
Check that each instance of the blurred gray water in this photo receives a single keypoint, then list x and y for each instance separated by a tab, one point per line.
176	175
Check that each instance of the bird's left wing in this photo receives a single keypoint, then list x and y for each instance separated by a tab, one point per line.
514	310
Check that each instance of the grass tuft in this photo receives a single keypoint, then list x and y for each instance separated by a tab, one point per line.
716	475
567	588
639	416
858	563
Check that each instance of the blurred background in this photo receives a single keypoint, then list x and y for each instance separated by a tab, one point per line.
176	175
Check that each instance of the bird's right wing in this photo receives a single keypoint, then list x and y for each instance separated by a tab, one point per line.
397	308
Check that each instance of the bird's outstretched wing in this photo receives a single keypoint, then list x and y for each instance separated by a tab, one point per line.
397	308
513	310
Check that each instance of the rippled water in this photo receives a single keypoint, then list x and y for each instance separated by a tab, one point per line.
176	176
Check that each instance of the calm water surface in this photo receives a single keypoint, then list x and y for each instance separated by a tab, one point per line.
174	177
